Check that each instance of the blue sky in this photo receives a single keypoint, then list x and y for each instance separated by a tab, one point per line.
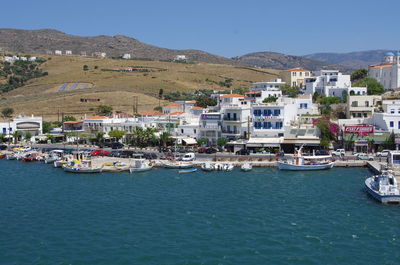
227	28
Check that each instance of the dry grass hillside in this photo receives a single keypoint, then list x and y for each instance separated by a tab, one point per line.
42	96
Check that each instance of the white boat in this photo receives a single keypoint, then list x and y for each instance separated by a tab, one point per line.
383	188
178	165
300	162
84	167
53	156
246	167
223	167
207	167
188	170
60	163
141	165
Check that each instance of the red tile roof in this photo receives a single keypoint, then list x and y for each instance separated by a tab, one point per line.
176	113
381	66
195	107
96	117
72	122
173	105
232	96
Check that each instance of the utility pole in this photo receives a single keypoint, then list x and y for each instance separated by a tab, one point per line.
135	105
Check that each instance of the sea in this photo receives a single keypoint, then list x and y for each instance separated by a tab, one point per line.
264	216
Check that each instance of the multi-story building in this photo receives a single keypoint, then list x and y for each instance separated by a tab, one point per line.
235	116
262	90
362	106
210	126
388	72
330	83
295	76
389	119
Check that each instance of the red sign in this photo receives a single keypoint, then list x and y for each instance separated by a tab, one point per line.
359	129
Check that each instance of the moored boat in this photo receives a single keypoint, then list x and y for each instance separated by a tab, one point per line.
207	167
383	188
178	165
188	170
246	167
141	165
85	166
300	162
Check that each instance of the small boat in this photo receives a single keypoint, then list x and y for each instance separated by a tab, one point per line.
84	167
189	170
246	167
223	167
383	188
53	156
178	165
207	167
60	163
28	159
2	156
12	157
141	165
300	162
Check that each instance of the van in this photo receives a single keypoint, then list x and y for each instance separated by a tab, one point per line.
188	157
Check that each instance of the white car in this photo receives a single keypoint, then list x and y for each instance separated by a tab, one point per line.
339	152
189	157
384	153
363	156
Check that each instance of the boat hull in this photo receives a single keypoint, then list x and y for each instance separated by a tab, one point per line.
190	170
82	170
134	170
178	166
385	199
286	166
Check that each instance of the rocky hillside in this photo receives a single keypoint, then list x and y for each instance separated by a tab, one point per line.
360	59
41	41
282	61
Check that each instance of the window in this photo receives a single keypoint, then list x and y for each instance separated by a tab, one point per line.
182	131
257	112
392	111
365	115
278	125
277	112
305	105
391	124
301	74
367	103
195	131
354	103
398	125
294	74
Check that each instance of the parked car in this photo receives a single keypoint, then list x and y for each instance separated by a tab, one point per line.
3	147
362	156
188	157
127	154
383	153
201	150
115	154
211	150
150	155
322	152
243	152
338	152
100	152
116	145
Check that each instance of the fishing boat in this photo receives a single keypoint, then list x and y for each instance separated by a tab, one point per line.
53	155
300	162
207	167
383	188
141	165
85	166
178	165
188	170
246	167
60	163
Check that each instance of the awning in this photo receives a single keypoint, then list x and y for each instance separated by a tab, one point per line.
265	142
302	141
189	141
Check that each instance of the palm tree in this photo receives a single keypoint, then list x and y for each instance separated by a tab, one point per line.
16	136
99	137
165	137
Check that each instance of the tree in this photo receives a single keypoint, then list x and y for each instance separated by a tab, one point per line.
46	126
202	141
2	137
116	134
104	110
158	108
16	136
359	74
222	141
270	99
373	86
329	131
7	113
160	93
28	136
165	138
69	118
290	91
85	67
204	101
96	67
390	142
99	137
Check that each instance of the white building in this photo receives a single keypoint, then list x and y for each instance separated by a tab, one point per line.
126	56
303	105
68	52
389	119
330	83
210	126
180	58
236	116
388	72
30	124
58	52
362	106
261	90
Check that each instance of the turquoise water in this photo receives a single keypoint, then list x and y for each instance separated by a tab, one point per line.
159	217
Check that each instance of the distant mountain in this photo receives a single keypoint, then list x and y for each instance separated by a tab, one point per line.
41	41
360	59
282	61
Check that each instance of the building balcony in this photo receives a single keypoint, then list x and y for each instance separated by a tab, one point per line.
271	117
210	127
231	132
